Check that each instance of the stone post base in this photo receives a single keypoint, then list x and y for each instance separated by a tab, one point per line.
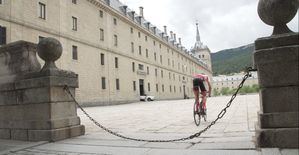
37	108
276	59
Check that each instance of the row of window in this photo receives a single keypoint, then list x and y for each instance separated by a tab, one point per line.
42	14
42	8
140	66
117	86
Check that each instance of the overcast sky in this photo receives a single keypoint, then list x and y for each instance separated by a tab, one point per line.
222	24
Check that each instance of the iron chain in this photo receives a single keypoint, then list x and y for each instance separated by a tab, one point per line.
220	115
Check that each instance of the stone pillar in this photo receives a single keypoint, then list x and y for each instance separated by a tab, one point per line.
33	103
276	60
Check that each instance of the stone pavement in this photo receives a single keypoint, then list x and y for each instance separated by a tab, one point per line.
232	135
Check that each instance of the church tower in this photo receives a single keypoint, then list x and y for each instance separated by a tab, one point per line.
201	51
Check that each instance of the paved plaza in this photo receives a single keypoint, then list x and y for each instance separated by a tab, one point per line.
159	120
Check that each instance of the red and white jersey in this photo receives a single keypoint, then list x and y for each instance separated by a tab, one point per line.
201	76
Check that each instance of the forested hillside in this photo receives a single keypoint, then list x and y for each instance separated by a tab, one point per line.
232	60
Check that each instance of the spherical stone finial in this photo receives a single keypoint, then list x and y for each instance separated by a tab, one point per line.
278	13
50	50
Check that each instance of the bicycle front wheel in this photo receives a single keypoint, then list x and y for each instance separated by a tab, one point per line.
196	114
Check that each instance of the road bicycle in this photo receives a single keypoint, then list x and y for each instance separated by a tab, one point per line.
199	112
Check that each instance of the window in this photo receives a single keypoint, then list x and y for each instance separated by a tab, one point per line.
116	62
174	89
102	59
162	73
102	34
139	34
147	70
169	76
203	56
170	88
154	42
75	52
74	23
0	1
145	37
161	59
133	66
101	14
132	30
42	10
160	46
114	21
103	83
139	50
132	47
155	56
157	88
146	53
134	85
162	87
140	67
117	84
74	1
2	35
115	40
149	87
156	72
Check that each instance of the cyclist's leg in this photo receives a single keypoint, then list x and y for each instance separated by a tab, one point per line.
196	83
196	95
204	99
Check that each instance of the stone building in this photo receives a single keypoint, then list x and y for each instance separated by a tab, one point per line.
117	53
233	81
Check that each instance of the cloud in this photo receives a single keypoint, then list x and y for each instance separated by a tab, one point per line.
222	24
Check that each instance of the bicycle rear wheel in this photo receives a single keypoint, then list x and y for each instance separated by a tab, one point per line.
196	114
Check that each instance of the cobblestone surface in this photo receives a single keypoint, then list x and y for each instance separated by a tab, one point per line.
232	135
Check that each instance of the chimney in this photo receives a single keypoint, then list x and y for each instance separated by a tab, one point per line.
141	11
165	30
174	37
147	25
171	35
107	2
124	9
154	29
138	18
180	41
132	14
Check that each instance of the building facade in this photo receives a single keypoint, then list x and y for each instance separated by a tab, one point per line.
233	81
117	54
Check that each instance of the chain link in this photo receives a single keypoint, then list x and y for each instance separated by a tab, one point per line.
220	115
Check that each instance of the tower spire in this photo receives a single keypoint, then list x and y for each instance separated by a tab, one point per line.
197	33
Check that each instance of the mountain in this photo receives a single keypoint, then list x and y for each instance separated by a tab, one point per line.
232	60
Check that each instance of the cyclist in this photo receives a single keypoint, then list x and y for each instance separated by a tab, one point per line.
199	82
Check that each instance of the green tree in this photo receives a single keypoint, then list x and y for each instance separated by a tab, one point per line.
225	91
216	92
